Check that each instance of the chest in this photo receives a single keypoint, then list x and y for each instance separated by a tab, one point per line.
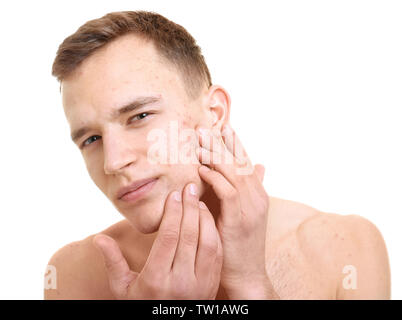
293	274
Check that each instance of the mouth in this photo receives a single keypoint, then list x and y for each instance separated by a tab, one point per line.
136	190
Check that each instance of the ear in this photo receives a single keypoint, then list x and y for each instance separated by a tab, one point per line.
217	105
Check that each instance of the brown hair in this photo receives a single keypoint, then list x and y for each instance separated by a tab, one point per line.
171	41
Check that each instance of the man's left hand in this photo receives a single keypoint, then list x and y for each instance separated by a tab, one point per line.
242	222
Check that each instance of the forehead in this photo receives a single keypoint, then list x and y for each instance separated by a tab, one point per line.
125	68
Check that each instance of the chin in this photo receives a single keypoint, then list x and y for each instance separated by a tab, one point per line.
146	228
145	218
146	224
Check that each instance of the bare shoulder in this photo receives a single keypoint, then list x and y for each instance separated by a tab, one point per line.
351	249
285	217
79	268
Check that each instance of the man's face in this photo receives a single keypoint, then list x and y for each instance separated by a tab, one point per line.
115	146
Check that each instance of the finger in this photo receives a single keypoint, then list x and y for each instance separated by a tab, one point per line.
118	271
225	141
216	160
207	244
235	147
208	158
221	159
212	140
217	269
233	143
259	171
163	250
226	193
184	260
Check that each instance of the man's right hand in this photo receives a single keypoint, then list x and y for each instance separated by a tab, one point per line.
185	260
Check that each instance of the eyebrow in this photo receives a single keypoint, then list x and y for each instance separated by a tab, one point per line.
135	104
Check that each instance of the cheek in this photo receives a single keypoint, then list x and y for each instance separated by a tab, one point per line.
186	119
95	169
183	174
186	123
92	168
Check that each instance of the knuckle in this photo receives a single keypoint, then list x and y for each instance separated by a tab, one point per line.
189	237
191	204
111	265
169	237
240	178
210	248
231	194
173	206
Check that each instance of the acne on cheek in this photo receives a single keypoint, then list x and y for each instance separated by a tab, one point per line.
185	118
185	123
189	123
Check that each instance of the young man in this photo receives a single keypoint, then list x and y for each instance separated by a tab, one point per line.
192	230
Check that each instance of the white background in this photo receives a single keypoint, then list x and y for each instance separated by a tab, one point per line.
316	97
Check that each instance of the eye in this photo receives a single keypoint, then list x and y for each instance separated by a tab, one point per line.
90	140
139	116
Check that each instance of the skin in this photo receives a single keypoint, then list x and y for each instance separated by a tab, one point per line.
272	249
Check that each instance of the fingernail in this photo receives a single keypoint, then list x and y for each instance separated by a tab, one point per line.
177	196
202	205
193	189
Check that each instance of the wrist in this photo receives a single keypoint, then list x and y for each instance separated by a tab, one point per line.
257	289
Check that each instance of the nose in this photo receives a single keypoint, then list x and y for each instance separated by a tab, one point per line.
118	153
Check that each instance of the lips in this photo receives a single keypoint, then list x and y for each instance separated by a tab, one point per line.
133	186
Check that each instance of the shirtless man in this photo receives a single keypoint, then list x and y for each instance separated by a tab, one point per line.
237	242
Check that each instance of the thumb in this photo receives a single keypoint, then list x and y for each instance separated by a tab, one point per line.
260	171
119	274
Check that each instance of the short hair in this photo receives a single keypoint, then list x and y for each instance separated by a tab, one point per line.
171	41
